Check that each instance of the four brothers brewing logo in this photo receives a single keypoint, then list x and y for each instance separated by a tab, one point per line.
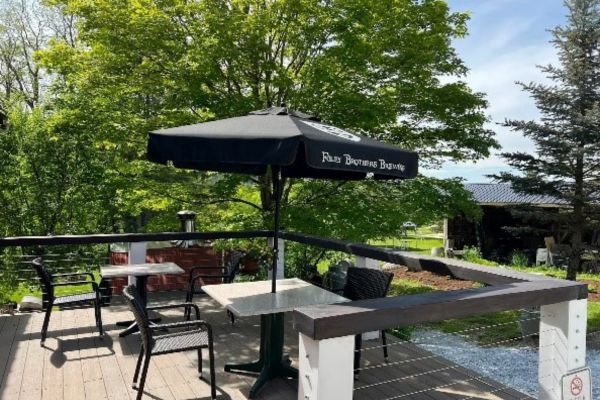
347	159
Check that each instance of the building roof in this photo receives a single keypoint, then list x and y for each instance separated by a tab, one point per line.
503	194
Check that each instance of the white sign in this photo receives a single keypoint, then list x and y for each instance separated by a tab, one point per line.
577	385
332	130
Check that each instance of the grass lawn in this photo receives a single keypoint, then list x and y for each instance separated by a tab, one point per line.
593	287
593	316
30	290
420	243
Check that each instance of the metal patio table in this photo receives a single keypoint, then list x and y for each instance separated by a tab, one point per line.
139	273
246	299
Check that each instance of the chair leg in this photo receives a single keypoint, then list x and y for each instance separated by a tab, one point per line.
137	368
200	362
211	359
46	323
188	299
99	317
385	349
143	377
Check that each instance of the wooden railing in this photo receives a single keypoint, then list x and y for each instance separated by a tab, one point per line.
327	331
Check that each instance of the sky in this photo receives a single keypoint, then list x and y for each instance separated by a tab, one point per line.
507	39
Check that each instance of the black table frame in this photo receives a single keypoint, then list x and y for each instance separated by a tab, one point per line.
142	290
271	362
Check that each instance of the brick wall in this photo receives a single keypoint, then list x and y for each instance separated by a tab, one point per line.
186	258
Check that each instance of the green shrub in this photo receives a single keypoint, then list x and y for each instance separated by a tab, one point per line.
519	259
471	254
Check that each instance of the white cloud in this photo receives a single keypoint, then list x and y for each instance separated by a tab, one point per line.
496	76
507	32
507	40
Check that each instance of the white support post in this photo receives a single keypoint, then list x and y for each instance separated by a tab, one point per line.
137	255
562	345
280	258
446	233
326	368
363	262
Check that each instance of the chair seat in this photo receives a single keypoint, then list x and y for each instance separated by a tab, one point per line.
75	298
180	341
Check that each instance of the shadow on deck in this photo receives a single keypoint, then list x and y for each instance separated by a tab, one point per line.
77	364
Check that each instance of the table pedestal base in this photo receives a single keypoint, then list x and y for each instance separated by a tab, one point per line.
272	362
131	326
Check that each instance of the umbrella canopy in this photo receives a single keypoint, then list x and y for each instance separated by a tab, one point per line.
292	143
298	143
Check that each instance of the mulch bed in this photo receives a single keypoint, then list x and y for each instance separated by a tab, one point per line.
440	282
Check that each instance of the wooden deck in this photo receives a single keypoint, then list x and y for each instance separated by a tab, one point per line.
77	364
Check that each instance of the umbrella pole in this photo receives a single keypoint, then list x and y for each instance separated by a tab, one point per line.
277	195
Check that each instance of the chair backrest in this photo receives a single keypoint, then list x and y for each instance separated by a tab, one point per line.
366	283
45	277
141	317
233	265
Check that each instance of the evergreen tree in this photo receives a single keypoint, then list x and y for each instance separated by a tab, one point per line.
566	163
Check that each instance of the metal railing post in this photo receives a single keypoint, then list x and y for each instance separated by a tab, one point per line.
562	345
326	368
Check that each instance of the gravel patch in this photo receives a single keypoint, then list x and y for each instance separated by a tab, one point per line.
516	367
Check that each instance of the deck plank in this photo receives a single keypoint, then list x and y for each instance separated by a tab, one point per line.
53	360
8	343
34	361
11	384
73	380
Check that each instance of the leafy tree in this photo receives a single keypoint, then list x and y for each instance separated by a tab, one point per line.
374	67
48	167
566	163
26	26
51	176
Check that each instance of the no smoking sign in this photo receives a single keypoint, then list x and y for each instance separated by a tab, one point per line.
577	385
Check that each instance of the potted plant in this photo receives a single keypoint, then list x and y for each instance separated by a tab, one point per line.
251	261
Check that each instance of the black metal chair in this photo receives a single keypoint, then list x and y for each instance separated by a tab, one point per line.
364	284
50	281
226	274
196	339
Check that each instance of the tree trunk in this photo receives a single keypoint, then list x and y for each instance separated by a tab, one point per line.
575	259
577	226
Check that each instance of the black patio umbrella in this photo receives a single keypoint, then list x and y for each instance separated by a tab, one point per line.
291	143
